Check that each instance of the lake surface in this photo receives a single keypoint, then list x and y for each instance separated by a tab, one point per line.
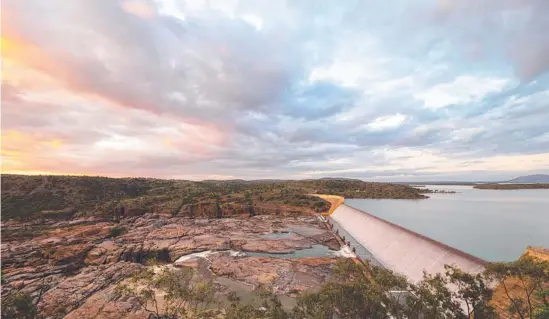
496	225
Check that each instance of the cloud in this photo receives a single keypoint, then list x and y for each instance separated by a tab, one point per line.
512	28
387	122
253	89
192	68
464	89
254	20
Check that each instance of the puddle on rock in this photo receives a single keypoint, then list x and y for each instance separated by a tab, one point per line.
314	251
306	231
278	235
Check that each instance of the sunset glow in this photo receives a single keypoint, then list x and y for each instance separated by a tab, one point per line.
189	90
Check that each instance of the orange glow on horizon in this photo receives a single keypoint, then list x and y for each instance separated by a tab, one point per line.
20	149
45	84
19	51
26	172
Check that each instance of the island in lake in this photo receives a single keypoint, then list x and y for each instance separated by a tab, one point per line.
512	186
436	191
537	181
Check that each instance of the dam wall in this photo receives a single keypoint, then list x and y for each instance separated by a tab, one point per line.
399	249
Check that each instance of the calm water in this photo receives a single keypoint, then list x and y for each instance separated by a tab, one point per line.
496	225
314	251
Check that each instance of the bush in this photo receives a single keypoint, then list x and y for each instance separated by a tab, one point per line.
117	231
18	305
185	294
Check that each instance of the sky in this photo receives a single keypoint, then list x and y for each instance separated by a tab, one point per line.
377	90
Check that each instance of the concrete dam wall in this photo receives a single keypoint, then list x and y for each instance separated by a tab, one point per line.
399	249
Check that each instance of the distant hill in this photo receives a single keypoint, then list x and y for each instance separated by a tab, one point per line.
67	196
445	183
538	178
513	186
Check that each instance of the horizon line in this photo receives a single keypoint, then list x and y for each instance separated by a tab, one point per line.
258	179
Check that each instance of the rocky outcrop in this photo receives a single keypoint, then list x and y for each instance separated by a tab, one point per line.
80	245
74	265
72	292
538	253
104	305
285	276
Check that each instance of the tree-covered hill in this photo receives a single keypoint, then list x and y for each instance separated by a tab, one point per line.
66	196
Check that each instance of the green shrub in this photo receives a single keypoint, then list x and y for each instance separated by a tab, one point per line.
117	231
18	305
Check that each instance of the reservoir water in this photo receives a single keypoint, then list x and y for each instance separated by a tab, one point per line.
496	225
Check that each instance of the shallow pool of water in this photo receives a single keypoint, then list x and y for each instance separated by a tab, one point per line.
278	235
306	231
314	251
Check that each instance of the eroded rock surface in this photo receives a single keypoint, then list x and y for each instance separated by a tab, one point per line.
103	305
285	276
74	265
72	292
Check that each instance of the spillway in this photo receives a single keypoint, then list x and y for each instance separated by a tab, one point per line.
399	249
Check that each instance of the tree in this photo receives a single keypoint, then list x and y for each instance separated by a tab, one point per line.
218	209
271	307
350	294
432	300
247	196
374	292
527	294
473	291
184	295
251	209
542	311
